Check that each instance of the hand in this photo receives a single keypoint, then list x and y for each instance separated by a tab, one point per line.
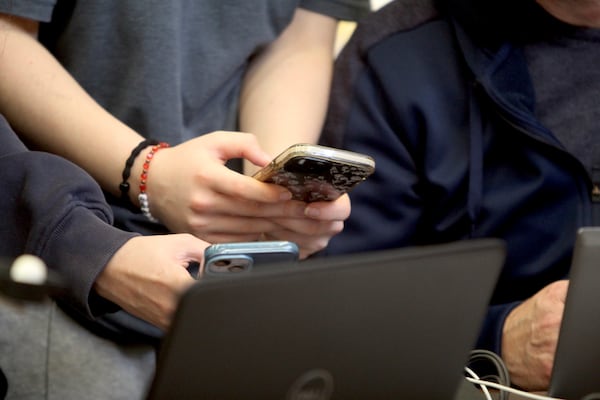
191	190
147	275
530	335
312	232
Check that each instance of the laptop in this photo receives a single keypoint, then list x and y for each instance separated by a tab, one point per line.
575	373
388	324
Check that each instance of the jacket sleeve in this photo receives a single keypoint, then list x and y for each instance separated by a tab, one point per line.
51	208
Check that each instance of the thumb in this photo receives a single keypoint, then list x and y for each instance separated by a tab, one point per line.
188	247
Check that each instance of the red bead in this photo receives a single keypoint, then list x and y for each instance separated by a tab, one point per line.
146	165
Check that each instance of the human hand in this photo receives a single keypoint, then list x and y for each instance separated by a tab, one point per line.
530	336
311	232
191	190
147	275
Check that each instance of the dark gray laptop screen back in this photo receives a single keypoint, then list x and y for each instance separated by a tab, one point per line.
576	370
389	324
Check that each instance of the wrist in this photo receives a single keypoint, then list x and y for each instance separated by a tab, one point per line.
129	185
133	186
143	200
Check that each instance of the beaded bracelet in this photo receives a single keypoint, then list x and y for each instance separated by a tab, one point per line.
143	196
124	185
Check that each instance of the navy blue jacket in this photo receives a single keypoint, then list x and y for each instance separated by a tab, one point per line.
51	208
459	152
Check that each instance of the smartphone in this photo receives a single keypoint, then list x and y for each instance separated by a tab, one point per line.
239	257
317	173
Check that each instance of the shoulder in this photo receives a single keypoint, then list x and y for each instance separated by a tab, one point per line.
392	36
385	28
349	10
395	17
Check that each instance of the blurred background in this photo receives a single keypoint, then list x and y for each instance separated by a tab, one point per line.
346	28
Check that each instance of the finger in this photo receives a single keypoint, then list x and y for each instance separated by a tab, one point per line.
309	227
241	145
307	245
230	237
217	203
329	210
244	187
231	225
190	247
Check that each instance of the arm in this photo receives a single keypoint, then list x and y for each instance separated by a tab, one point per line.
283	102
189	187
49	108
285	92
53	209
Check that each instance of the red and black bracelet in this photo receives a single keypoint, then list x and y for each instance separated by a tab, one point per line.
143	196
124	185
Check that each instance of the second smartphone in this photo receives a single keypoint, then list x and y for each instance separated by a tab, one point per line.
226	258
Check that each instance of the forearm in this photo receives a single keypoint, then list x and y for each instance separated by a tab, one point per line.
285	92
67	225
52	112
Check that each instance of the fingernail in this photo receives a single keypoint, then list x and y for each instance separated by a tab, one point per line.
285	195
312	212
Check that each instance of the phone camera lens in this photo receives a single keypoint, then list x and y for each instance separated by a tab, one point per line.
236	268
222	263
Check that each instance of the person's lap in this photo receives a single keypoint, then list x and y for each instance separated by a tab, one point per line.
44	353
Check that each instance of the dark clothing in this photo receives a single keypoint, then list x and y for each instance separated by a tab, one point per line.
3	385
449	117
51	208
566	80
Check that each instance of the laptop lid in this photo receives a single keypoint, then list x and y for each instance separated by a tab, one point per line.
389	324
575	372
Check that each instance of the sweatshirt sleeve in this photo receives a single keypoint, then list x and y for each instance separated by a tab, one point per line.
53	209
